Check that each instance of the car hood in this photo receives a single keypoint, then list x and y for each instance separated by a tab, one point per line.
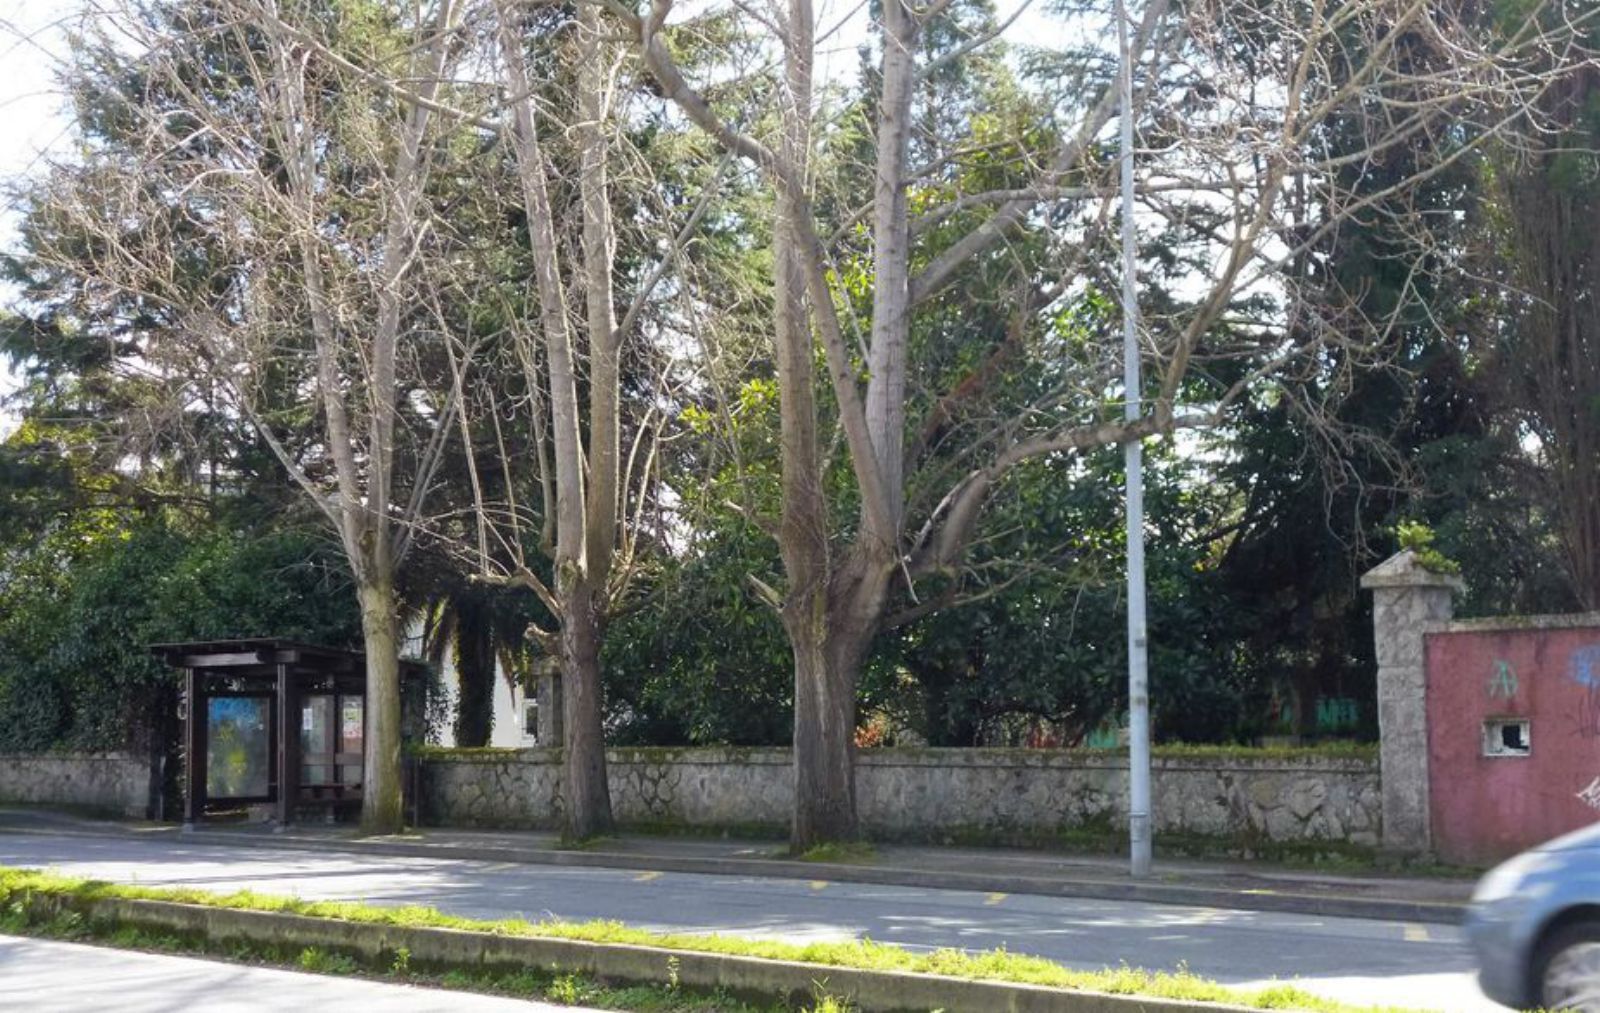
1587	839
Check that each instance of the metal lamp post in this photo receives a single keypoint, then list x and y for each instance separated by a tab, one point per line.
1138	646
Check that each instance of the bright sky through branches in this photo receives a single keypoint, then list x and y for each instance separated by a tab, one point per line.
33	37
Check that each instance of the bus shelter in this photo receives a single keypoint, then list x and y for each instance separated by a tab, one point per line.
276	723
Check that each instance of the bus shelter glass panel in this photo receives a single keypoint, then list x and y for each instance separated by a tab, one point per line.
316	741
238	747
352	724
331	736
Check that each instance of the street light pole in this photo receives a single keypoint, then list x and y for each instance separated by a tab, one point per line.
1138	659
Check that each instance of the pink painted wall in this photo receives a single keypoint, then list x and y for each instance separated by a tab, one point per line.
1486	808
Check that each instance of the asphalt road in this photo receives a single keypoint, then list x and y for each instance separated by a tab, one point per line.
48	977
1357	960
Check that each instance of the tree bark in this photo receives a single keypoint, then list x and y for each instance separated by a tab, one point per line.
891	241
586	797
382	811
830	634
824	692
824	738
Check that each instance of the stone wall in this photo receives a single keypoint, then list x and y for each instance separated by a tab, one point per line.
110	783
928	793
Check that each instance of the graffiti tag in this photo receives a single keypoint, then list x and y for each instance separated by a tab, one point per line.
1585	671
1586	665
1336	714
1590	796
1503	683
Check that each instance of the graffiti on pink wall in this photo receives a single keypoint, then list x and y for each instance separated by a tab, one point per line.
1590	795
1513	737
1585	672
1503	683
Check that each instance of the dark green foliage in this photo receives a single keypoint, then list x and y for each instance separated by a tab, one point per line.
1043	659
78	609
701	660
475	670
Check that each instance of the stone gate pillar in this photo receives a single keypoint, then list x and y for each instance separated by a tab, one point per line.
1407	600
547	690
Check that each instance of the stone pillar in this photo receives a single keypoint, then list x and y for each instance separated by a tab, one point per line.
1407	600
547	691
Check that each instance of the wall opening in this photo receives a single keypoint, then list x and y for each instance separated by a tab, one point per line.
1506	737
530	720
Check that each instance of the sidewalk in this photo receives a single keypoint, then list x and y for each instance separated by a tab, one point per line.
1239	885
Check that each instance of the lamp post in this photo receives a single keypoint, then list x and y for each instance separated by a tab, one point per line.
1138	646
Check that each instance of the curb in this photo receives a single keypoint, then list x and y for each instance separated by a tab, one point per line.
1265	900
871	991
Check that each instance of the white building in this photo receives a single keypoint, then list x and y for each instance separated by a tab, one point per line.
517	712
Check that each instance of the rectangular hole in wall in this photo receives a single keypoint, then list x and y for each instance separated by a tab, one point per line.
530	719
1506	737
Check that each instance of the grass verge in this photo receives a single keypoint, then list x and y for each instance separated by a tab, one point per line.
570	989
19	888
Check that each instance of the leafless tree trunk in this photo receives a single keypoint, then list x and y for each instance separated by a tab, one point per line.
585	499
366	487
588	487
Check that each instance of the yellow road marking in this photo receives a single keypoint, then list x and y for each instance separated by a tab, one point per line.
994	898
645	877
1416	934
819	884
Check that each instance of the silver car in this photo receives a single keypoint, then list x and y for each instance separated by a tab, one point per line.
1535	924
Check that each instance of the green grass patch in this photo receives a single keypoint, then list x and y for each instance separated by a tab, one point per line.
486	754
838	852
18	886
17	918
709	831
1333	749
599	842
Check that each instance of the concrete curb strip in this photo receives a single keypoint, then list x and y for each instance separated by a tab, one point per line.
872	991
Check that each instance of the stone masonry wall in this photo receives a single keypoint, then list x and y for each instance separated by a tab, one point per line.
923	793
112	783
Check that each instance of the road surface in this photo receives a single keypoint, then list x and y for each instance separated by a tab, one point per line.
37	976
1357	960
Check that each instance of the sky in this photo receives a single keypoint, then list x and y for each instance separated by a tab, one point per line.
30	109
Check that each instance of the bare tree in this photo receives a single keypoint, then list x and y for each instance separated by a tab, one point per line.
265	219
1238	104
585	497
593	450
